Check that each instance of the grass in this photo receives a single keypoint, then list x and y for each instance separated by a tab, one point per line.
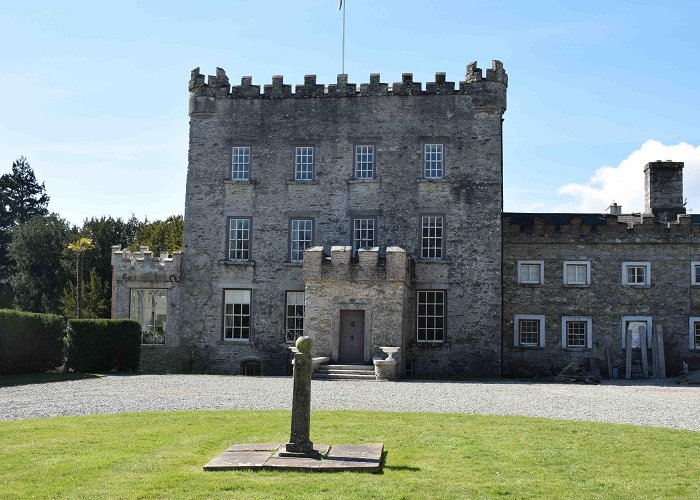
160	455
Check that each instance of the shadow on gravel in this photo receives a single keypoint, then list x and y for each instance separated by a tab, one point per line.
42	378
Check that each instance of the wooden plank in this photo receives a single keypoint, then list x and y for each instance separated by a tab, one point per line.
654	354
608	357
644	351
628	355
660	351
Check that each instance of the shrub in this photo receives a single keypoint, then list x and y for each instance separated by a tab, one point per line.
100	345
30	342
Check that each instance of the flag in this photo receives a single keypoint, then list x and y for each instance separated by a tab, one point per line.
340	4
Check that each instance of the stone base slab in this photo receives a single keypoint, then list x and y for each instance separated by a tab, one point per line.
266	456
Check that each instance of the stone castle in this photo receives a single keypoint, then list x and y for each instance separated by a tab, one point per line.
372	215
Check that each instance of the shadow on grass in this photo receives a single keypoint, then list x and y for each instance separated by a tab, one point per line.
42	378
384	466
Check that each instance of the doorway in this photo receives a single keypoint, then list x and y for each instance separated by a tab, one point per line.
352	337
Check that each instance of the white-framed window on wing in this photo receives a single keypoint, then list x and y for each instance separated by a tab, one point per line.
237	315
240	163
433	161
694	333
528	330
636	274
363	233
531	272
432	237
304	163
577	272
294	316
430	308
364	161
239	239
576	332
695	273
149	307
300	238
634	329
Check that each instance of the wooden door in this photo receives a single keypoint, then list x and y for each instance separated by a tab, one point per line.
352	337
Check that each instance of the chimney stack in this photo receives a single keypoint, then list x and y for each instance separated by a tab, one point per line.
663	185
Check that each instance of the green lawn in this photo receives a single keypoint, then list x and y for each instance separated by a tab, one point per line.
160	455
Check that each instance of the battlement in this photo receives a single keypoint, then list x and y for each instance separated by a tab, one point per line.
596	228
369	265
218	86
129	265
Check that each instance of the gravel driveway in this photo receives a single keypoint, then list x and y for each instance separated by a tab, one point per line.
647	403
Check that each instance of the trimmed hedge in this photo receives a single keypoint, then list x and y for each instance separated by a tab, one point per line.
101	345
30	342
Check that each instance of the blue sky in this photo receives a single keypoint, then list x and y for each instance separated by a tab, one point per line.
96	94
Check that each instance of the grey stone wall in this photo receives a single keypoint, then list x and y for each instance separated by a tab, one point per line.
604	241
398	120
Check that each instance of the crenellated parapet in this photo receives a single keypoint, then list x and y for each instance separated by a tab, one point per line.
142	265
487	91
369	265
597	229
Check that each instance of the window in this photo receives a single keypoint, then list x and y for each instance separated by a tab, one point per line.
531	272
240	163
363	234
432	236
239	239
149	307
576	332
431	316
694	333
300	238
251	368
433	161
528	330
304	164
695	273
634	327
636	273
364	162
294	316
236	314
577	272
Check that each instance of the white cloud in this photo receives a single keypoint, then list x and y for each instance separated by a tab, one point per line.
624	183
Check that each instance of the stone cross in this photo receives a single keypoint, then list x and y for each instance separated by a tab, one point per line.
299	440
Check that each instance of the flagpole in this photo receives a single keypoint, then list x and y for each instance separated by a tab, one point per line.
343	67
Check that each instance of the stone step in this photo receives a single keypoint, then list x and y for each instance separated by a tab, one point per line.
368	368
343	376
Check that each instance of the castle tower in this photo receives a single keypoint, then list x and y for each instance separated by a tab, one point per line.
663	189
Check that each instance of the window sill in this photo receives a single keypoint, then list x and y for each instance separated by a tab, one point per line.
423	260
632	285
431	343
293	264
234	182
375	180
434	179
577	349
530	284
154	345
234	342
530	347
237	263
587	285
291	182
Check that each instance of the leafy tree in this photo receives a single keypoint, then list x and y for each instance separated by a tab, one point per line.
161	236
79	247
21	198
95	298
40	268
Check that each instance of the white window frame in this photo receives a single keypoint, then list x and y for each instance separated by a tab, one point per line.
240	163
626	319
151	323
516	330
589	332
360	233
294	298
364	161
694	265
647	273
586	263
432	243
297	238
433	161
304	163
433	316
244	331
239	239
693	344
522	263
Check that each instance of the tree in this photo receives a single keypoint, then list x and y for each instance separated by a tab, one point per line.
41	266
160	236
21	198
79	247
95	298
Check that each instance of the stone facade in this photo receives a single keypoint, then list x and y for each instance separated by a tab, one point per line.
228	310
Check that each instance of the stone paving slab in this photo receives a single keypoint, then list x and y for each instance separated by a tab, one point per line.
336	458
